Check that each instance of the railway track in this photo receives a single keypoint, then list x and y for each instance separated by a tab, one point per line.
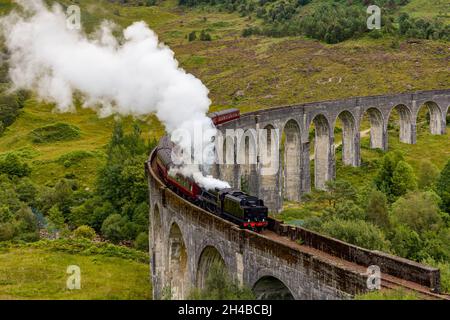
387	281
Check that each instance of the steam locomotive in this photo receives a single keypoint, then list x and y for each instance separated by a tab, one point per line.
233	205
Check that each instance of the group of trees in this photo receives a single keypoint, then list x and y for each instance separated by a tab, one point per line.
117	209
17	197
331	22
10	103
397	212
422	29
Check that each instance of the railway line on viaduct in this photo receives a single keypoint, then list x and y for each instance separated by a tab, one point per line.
285	261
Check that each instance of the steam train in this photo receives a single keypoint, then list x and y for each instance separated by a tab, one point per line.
233	205
224	116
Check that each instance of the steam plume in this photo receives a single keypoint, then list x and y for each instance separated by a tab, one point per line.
136	77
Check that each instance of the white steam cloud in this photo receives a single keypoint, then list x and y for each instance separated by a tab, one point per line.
136	77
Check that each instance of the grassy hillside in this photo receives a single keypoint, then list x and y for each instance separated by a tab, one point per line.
428	9
46	158
39	272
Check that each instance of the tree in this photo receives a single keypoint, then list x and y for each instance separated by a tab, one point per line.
403	179
113	228
220	286
6	215
6	231
56	219
443	187
60	195
338	190
122	179
419	211
9	109
140	216
427	175
377	209
141	242
26	191
384	178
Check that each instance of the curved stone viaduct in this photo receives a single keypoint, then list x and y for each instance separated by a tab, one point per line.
284	261
292	127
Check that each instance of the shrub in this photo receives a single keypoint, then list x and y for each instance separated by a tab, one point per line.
84	232
74	157
192	36
13	166
54	133
358	232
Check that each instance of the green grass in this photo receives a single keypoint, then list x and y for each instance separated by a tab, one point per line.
397	294
49	160
38	271
428	9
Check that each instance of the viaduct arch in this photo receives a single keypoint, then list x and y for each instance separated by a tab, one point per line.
302	149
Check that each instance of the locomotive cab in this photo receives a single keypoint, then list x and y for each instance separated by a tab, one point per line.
248	211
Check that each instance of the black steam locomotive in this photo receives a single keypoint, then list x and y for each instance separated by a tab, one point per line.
233	205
